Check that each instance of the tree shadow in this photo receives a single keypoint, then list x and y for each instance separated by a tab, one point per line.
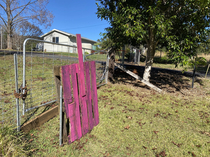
168	80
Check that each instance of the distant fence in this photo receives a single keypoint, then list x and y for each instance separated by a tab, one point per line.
35	79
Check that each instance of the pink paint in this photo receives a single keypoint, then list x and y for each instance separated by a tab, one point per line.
85	99
84	115
73	133
89	102
81	68
76	99
94	93
67	88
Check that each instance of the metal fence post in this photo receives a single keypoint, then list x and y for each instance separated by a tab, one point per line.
17	91
24	72
61	120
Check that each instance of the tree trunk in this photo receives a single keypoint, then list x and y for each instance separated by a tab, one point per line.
150	56
9	25
148	65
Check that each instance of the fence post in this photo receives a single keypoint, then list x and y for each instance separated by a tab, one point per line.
107	69
17	91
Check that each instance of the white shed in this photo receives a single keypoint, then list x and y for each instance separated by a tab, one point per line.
61	37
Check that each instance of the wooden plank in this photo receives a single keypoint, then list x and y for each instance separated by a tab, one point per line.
81	68
138	78
73	132
84	115
76	99
94	93
41	119
57	77
83	105
65	70
89	101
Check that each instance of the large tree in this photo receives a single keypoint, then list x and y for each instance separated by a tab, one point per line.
178	25
16	12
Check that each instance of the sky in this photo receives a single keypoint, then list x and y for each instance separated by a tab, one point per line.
76	17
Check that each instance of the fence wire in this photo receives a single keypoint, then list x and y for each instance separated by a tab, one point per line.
38	65
7	87
39	74
102	61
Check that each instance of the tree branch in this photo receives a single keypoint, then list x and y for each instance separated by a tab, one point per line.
29	3
3	7
3	20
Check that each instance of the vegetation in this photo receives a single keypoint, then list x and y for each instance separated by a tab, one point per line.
134	121
177	25
137	122
13	143
23	15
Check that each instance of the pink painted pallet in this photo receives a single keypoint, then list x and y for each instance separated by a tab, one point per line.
80	95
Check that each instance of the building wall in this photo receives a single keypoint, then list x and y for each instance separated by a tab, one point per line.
56	48
63	39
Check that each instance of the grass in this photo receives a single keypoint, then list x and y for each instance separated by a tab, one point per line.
133	121
136	122
13	143
97	57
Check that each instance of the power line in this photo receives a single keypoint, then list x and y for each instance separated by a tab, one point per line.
83	27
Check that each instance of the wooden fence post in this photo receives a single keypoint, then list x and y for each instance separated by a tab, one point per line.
57	77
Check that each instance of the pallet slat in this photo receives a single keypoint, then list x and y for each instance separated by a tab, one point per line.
65	70
89	100
94	93
76	100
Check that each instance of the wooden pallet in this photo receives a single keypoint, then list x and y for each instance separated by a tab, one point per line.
80	96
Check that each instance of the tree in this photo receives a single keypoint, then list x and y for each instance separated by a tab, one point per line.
16	12
23	31
178	25
104	43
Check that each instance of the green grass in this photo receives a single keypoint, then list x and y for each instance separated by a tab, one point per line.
133	121
14	144
136	122
61	53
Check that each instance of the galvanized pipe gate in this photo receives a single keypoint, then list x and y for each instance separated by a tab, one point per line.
26	93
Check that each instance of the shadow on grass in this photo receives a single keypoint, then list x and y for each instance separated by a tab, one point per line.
168	80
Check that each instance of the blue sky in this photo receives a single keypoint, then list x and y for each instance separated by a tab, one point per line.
76	17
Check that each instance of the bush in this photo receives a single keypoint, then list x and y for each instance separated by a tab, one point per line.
163	60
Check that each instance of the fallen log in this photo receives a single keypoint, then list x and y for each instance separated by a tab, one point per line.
138	78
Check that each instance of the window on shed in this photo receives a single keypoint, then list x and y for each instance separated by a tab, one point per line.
56	39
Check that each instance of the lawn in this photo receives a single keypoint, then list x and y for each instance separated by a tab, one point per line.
134	120
137	122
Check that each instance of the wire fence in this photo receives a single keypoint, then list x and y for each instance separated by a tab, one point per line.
7	87
35	78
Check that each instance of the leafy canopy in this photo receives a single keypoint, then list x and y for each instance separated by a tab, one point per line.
178	25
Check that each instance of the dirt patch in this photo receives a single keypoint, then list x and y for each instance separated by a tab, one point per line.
170	81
